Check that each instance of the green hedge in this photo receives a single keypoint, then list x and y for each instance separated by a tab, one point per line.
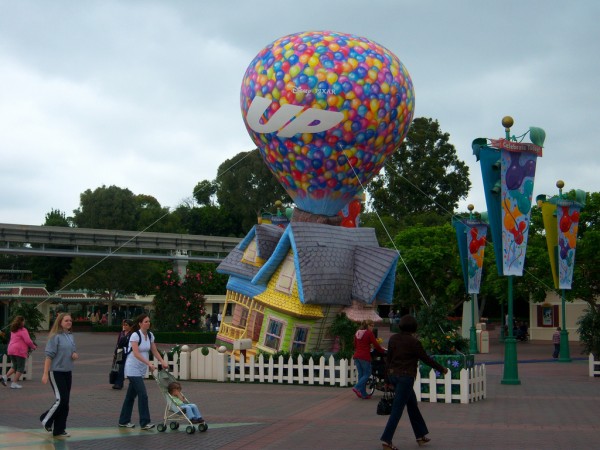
168	337
196	337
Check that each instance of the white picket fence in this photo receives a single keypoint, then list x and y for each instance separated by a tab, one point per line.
219	366
472	386
594	366
5	366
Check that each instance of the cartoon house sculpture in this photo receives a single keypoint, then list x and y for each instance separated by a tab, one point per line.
286	286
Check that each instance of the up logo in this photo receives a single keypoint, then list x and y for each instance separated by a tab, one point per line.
290	120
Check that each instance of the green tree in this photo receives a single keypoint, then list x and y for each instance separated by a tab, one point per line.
208	220
109	208
111	278
179	304
204	192
429	267
424	175
246	186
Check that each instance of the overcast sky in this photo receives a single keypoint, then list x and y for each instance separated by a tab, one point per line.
145	94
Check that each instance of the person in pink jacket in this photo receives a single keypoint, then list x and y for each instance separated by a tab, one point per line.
363	340
18	349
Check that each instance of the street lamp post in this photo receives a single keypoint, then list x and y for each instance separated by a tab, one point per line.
508	170
565	353
511	368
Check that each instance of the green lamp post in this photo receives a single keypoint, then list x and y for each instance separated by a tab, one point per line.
561	221
508	171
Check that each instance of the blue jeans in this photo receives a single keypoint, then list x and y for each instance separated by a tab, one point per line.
404	396
191	410
364	372
136	388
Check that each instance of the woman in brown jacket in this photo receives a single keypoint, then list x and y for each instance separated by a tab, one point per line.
404	353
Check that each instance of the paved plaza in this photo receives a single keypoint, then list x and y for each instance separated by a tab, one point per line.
556	406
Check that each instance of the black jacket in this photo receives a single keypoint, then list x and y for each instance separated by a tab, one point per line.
404	353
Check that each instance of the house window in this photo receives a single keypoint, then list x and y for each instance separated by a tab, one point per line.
299	340
547	316
287	275
250	252
273	334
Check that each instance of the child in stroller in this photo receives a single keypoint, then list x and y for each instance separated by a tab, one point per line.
177	407
190	409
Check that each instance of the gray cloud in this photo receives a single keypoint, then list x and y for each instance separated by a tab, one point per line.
145	94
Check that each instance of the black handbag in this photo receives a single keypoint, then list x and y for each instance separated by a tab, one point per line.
114	372
384	407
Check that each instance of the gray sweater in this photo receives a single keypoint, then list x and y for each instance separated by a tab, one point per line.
59	349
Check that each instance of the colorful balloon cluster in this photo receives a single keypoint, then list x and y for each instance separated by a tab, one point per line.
349	214
325	109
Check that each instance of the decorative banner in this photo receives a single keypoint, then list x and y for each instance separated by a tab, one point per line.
517	174
471	236
476	238
325	110
550	225
568	222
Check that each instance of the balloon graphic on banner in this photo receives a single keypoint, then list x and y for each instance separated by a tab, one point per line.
325	110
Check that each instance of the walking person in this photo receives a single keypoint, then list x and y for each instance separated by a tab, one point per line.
18	350
141	343
404	353
556	342
61	352
121	351
363	339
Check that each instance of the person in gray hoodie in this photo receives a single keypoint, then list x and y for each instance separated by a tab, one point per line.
61	352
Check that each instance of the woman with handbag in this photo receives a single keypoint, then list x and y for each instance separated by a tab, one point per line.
120	354
404	353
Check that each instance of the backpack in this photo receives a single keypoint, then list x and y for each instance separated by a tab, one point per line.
127	349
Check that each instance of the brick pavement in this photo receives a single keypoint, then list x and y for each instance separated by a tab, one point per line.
557	406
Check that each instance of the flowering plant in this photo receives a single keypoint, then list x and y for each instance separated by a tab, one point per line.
179	304
444	343
438	333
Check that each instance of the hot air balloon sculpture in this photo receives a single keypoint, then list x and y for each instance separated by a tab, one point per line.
325	110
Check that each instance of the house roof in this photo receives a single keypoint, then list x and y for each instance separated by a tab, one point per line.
334	265
266	236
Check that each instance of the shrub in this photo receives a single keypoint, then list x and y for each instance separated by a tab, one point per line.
589	330
438	333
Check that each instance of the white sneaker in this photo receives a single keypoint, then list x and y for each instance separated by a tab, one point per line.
15	386
3	380
148	426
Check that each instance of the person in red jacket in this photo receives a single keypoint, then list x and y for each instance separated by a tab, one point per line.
363	339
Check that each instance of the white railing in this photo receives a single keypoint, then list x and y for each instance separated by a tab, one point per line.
5	366
327	371
594	366
471	386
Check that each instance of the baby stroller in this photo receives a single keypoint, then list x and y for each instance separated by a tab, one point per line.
173	412
378	378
